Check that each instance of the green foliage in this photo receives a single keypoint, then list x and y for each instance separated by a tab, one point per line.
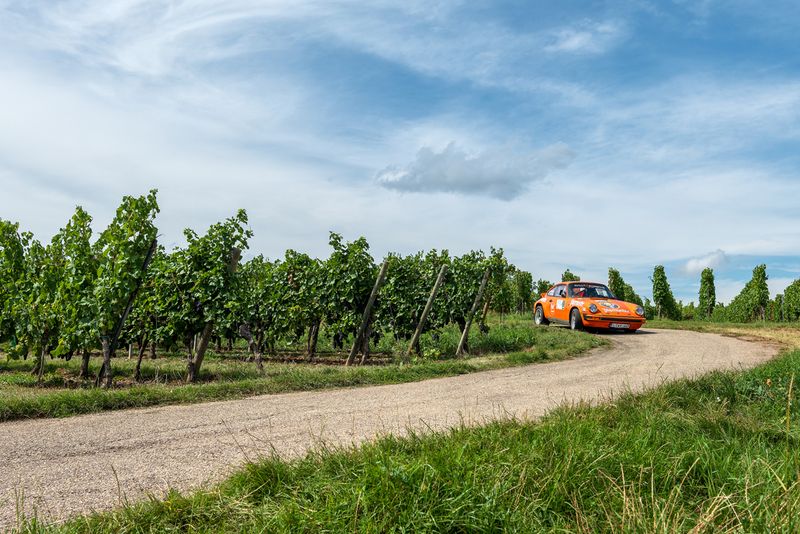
523	291
403	296
620	289
775	309
264	302
350	274
663	299
688	312
708	295
504	297
567	276
542	286
515	294
305	280
148	322
74	299
649	309
13	249
720	313
751	303
460	288
199	279
791	301
120	252
34	309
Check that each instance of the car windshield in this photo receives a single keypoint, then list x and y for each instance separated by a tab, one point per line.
590	291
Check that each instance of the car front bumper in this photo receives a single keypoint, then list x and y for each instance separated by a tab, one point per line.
605	321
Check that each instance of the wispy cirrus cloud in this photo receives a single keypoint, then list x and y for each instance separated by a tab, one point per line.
587	37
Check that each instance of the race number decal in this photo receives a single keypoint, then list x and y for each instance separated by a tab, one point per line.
560	304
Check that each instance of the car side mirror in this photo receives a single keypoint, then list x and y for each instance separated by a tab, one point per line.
544	295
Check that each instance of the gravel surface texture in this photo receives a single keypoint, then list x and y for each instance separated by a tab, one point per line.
63	467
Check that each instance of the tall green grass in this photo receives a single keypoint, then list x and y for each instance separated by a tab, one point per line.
715	454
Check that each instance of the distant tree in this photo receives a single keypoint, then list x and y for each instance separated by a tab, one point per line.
775	309
791	302
622	290
752	302
523	290
615	283
708	295
664	300
631	296
689	312
542	286
720	313
569	277
778	307
649	309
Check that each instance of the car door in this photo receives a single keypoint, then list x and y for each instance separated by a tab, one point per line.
550	302
560	304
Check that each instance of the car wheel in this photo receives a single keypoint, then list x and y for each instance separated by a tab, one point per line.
539	318
575	321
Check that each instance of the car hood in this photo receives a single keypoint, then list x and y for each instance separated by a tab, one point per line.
613	305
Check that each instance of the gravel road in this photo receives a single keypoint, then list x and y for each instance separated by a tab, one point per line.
70	466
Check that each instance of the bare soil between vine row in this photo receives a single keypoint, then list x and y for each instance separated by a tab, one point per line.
64	467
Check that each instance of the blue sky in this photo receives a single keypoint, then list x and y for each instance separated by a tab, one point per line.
573	134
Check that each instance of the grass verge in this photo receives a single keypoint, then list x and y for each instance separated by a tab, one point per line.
20	398
785	334
714	454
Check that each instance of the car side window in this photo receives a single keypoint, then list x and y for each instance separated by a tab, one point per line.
552	292
560	291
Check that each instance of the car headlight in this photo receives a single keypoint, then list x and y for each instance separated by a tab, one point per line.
592	308
639	311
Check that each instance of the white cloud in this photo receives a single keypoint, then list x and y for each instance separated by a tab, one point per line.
502	174
778	285
713	260
109	97
589	37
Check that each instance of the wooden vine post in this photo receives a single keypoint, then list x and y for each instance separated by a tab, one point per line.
367	313
478	297
426	310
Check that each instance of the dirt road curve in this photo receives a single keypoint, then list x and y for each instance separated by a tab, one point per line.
75	465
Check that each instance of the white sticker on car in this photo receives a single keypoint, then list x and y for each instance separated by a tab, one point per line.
560	304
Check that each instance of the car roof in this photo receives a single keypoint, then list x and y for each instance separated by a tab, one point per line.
579	282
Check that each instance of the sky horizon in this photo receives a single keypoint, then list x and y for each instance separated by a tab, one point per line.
618	134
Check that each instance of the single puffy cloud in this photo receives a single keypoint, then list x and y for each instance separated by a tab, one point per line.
712	260
499	173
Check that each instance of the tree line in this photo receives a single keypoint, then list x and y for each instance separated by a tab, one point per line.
753	303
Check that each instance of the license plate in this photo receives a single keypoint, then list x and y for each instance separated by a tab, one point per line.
620	325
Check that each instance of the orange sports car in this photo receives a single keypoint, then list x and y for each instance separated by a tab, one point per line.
587	305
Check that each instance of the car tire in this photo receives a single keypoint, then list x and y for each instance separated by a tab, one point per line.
575	321
539	318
